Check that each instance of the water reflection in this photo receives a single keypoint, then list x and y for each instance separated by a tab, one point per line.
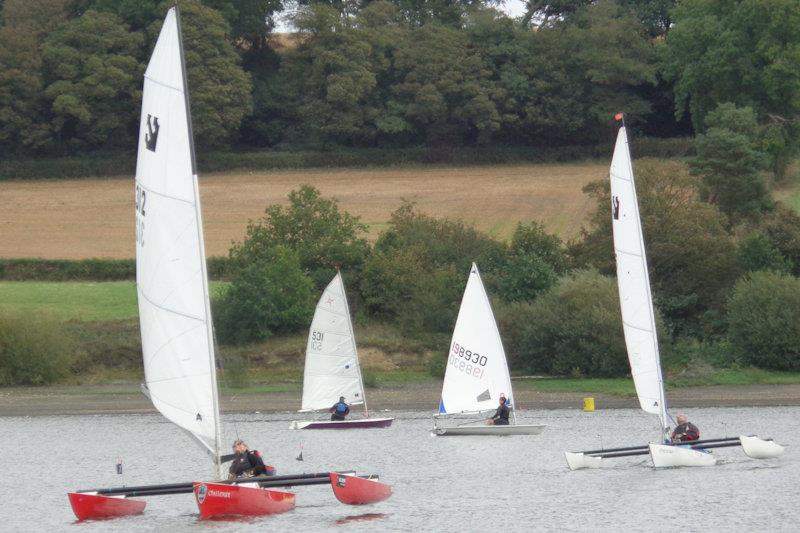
366	517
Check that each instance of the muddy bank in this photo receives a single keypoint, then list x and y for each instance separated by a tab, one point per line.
121	399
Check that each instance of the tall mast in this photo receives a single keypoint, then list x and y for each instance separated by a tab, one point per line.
355	345
210	323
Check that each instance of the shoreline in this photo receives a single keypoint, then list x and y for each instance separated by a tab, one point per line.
423	396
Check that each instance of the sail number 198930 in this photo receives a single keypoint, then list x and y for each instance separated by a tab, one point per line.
467	361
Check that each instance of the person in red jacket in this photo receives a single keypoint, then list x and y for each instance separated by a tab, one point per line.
685	431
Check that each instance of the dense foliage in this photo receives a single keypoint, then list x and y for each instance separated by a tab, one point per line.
34	350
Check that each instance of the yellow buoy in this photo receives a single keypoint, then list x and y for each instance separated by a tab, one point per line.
588	405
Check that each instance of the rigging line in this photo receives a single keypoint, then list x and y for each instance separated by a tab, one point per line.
165	85
163	195
169	309
637	328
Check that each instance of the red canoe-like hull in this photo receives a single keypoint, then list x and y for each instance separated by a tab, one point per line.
362	423
354	490
98	507
220	500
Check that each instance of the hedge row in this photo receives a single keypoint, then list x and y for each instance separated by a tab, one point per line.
125	164
86	269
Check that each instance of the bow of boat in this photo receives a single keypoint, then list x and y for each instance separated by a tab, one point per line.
354	490
88	506
216	500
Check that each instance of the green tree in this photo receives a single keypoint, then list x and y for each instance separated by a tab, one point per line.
535	261
265	298
782	228
744	52
93	78
576	328
313	227
691	257
764	320
24	116
728	163
756	253
219	89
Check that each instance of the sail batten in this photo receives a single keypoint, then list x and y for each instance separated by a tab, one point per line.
636	303
477	372
174	308
331	368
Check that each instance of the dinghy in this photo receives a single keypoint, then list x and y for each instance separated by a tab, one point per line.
174	307
477	371
332	368
639	327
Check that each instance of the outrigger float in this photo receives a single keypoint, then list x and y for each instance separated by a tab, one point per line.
253	496
175	311
641	341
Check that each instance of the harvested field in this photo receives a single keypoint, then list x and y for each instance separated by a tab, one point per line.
78	219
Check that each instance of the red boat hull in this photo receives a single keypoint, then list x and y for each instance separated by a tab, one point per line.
98	507
354	490
220	500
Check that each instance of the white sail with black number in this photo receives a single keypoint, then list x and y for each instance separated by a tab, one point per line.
172	285
638	318
331	368
477	371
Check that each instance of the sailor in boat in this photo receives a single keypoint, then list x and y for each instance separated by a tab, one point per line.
247	463
500	416
685	431
339	410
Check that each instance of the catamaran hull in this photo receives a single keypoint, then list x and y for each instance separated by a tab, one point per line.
578	460
216	500
530	429
354	490
756	448
99	507
364	423
665	456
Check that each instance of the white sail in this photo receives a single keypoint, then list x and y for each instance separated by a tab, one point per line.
636	303
172	285
477	371
332	368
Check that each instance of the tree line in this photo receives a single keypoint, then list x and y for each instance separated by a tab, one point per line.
398	73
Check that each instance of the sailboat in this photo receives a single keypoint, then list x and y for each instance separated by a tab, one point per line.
175	312
641	341
332	369
477	371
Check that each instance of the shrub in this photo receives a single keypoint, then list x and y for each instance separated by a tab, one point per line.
34	350
576	329
264	298
764	320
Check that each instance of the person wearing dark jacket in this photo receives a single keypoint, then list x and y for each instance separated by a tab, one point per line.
247	463
685	431
500	417
339	410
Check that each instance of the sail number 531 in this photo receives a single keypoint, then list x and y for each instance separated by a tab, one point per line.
316	340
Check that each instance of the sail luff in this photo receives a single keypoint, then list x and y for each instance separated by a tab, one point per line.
633	279
204	267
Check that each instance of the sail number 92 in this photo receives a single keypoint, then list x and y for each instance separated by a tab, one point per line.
141	200
467	361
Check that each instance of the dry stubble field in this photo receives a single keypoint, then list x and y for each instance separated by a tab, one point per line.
85	218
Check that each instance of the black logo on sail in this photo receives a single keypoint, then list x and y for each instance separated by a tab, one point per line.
615	204
151	137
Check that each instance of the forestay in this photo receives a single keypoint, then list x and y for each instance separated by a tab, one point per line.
477	372
174	311
331	368
634	284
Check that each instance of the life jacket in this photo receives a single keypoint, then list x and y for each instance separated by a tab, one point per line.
341	408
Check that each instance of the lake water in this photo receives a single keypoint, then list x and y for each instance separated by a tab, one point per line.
518	483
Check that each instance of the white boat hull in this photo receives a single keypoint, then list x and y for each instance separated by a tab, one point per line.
756	448
528	429
579	460
667	456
